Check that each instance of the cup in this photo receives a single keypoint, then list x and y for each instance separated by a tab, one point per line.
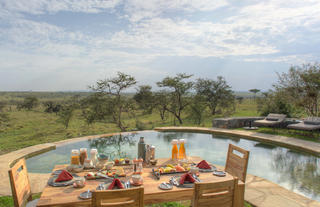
194	170
79	182
136	179
109	165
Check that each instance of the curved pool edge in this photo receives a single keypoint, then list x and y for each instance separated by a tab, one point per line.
288	142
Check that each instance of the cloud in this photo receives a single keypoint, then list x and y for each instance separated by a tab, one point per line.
137	10
53	6
290	59
185	38
269	31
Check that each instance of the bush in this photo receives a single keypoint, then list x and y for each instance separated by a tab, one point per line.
28	103
273	102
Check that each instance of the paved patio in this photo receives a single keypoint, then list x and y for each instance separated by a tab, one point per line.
259	192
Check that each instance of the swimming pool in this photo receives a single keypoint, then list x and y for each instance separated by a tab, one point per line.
296	171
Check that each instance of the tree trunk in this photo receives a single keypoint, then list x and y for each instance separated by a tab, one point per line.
179	118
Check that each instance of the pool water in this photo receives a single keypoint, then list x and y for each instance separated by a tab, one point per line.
296	171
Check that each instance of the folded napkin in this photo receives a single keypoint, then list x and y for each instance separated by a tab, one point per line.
115	182
64	176
186	177
203	165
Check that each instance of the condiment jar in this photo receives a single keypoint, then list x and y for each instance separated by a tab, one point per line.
83	155
93	156
75	158
87	164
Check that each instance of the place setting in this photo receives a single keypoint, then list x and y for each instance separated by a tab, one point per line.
61	178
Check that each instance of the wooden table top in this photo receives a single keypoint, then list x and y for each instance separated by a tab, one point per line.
68	196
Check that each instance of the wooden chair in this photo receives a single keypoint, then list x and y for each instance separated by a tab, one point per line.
236	165
20	184
219	194
118	198
237	162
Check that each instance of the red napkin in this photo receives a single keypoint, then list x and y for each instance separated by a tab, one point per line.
64	176
115	182
186	177
203	165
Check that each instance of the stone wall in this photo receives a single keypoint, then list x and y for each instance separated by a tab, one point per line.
233	122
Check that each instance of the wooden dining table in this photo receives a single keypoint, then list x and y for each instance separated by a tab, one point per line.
69	196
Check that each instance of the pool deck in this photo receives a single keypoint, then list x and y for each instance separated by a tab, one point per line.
259	192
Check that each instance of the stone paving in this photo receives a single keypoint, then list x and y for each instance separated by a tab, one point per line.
259	192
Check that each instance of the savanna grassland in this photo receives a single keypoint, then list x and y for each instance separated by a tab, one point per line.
30	127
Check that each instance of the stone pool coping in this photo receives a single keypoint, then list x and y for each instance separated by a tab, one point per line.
259	192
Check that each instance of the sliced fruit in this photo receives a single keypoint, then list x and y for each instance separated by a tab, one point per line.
169	165
179	168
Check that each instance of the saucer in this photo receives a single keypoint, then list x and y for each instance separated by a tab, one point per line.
136	184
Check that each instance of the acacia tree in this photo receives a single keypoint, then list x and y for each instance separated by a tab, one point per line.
197	109
65	114
301	87
178	92
144	98
111	90
254	91
161	101
29	103
217	93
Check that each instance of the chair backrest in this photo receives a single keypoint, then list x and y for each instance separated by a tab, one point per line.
118	198
237	162
20	185
219	194
279	117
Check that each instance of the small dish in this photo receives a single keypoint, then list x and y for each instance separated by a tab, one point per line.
153	162
136	184
165	186
219	173
85	195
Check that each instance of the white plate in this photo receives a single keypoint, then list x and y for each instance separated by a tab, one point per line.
85	195
219	173
165	186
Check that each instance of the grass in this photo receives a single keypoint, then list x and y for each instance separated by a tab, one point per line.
7	201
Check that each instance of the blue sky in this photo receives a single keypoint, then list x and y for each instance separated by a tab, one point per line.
60	45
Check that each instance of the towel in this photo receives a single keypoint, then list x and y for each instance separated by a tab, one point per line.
186	177
64	176
203	165
115	182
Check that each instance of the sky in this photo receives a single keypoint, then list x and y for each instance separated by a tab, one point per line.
67	45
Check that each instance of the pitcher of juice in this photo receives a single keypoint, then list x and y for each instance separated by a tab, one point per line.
182	150
174	155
